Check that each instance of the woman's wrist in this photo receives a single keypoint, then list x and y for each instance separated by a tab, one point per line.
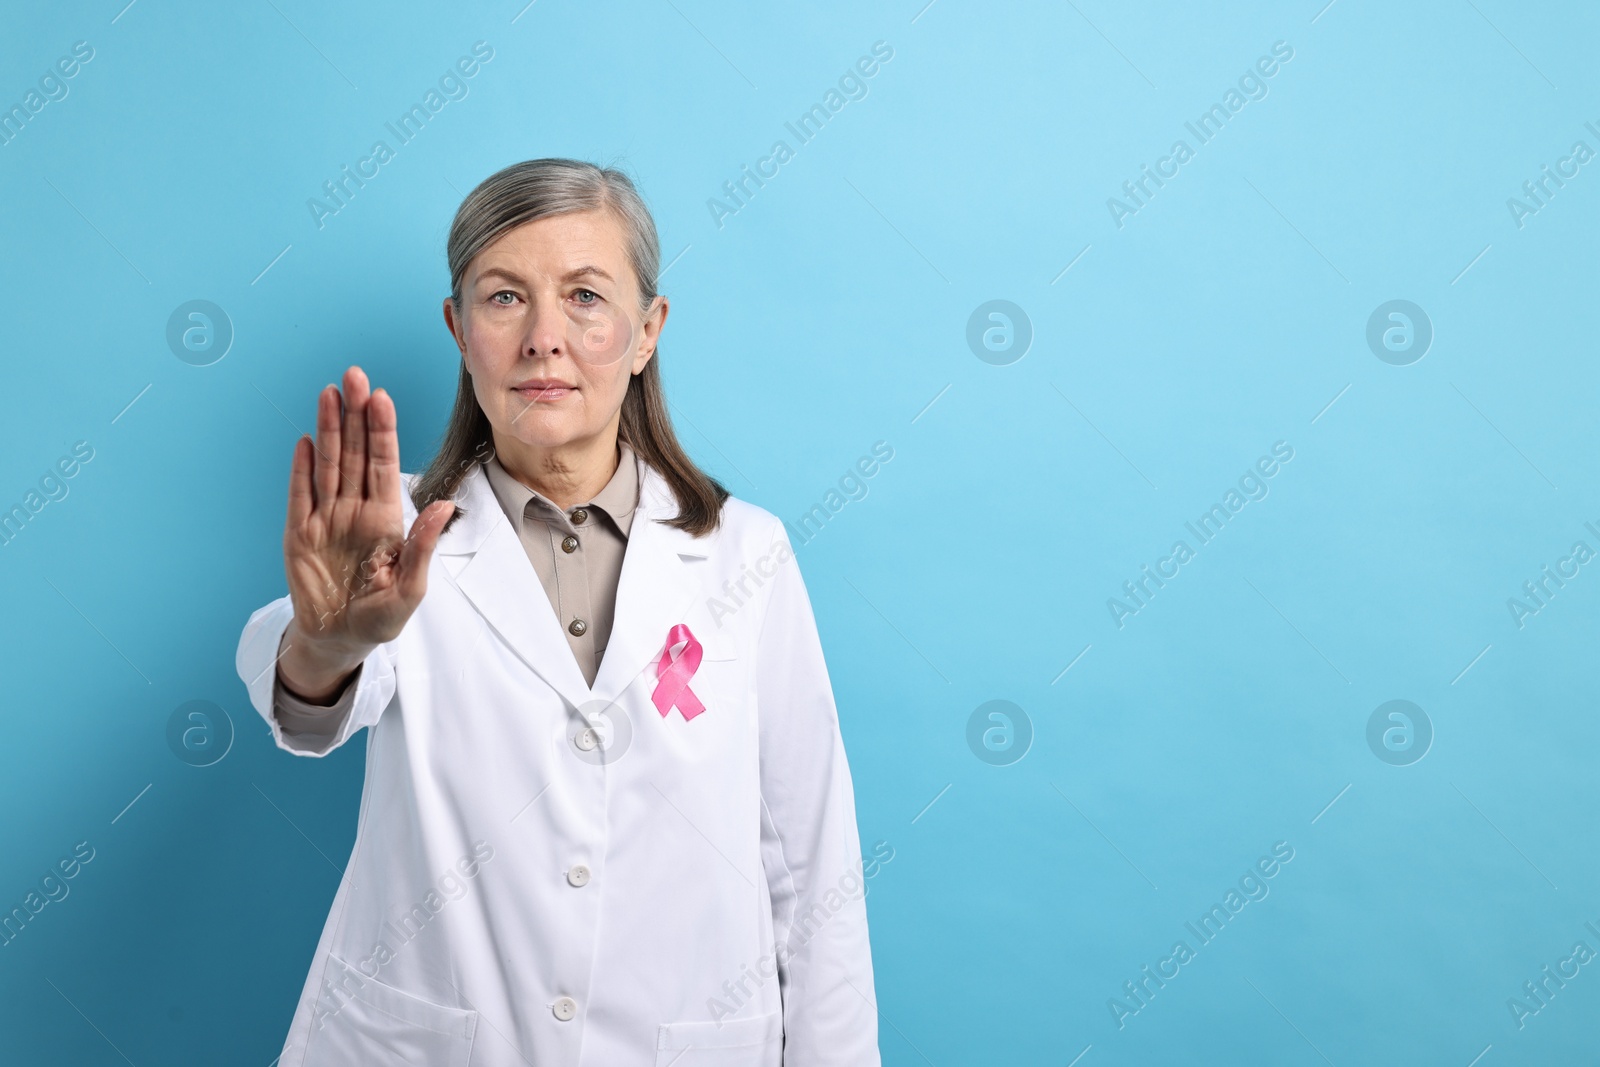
315	669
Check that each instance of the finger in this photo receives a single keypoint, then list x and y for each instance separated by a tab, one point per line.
326	477
301	498
353	454
418	549
383	449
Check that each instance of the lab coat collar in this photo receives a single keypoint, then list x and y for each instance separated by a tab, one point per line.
655	590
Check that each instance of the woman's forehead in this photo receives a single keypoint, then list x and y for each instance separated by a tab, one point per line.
561	242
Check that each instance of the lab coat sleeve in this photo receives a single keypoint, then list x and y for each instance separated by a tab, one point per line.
257	659
811	850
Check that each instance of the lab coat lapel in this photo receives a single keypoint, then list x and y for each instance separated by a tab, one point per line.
655	590
503	586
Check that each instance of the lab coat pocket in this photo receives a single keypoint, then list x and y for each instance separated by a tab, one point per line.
377	1023
754	1042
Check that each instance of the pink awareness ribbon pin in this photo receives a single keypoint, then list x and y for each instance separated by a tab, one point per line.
673	675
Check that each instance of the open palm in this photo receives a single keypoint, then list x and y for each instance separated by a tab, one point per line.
354	574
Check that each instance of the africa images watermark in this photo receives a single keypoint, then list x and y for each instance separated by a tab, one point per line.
451	885
851	885
1536	995
452	86
1538	192
53	86
852	85
1252	486
1252	886
1252	86
1538	592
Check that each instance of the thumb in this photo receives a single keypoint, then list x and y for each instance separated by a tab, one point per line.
418	549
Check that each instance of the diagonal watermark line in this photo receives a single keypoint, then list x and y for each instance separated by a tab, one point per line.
297	829
97	630
1074	263
1080	1055
313	45
1069	666
1114	48
1296	229
702	833
675	259
124	11
1324	11
1469	666
1330	804
1504	438
896	629
131	803
529	804
1507	840
90	1021
99	231
931	803
1103	837
1296	629
1286	1019
1330	404
130	404
273	664
677	413
1514	48
924	11
523	12
1480	1055
269	266
1103	437
896	229
930	403
1474	262
713	47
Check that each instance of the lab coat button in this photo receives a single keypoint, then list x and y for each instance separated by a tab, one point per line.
587	739
578	875
577	627
569	544
579	517
565	1008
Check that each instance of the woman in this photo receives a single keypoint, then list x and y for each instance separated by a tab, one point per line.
586	837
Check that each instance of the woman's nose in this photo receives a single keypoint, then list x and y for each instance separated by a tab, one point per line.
547	330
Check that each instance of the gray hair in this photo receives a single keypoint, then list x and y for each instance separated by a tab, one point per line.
536	189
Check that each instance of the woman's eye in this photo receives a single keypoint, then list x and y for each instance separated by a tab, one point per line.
506	293
589	293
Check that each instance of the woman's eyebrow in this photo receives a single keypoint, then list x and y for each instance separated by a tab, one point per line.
579	272
501	272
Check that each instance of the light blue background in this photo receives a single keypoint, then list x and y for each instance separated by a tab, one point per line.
827	314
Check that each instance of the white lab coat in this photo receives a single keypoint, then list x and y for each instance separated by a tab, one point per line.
681	892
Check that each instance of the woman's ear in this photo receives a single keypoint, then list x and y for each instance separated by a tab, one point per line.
653	322
457	328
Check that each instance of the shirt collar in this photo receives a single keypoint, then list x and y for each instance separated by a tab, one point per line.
618	499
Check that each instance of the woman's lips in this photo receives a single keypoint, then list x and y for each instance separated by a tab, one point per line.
543	392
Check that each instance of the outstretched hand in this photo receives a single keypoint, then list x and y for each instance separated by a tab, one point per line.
355	575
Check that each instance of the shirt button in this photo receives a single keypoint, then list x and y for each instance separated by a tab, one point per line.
578	875
569	544
587	739
577	627
565	1008
579	517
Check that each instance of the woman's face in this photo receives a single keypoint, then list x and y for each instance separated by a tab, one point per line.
529	303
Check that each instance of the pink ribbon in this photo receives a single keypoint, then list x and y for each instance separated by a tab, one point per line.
673	675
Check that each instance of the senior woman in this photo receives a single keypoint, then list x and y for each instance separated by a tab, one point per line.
607	816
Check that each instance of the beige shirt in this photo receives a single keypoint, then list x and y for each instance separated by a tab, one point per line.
577	554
